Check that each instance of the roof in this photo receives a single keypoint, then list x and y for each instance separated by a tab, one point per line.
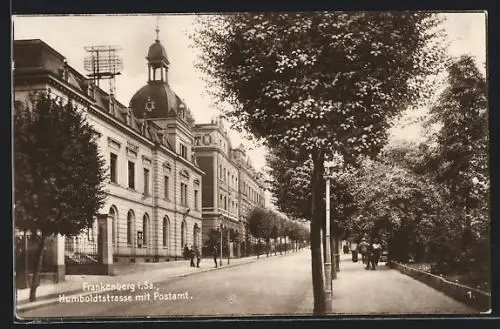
36	57
156	100
157	53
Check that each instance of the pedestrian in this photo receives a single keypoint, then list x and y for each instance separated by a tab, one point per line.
363	249
214	254
197	255
345	247
185	253
375	251
354	251
191	256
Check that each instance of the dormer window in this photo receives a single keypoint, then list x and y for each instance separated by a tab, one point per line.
91	90
112	105
129	117
65	71
182	111
144	128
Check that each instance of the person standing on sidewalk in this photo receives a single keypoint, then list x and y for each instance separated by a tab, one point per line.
198	255
354	251
374	254
363	249
191	256
214	254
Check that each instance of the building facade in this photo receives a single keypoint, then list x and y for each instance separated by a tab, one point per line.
155	186
231	186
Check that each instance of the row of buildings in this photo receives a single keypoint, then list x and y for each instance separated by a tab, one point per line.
171	180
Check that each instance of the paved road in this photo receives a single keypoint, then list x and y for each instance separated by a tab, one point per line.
272	286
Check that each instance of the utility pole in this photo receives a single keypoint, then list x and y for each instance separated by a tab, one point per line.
329	172
328	257
220	259
228	245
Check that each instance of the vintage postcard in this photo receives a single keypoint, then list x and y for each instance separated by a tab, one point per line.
250	164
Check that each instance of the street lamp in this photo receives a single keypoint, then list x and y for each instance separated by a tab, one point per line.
220	259
228	245
330	167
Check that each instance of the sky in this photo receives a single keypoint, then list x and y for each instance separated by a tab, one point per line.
134	34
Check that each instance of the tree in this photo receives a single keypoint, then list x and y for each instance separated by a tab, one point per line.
59	174
463	139
259	224
461	155
318	82
408	207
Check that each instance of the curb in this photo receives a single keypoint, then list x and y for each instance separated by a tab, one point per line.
52	299
475	298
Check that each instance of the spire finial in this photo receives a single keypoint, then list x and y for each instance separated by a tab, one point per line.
157	28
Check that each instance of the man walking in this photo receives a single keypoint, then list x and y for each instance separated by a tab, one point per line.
374	254
214	254
191	256
197	255
363	249
354	251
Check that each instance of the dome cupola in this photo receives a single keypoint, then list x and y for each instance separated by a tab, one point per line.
156	99
157	55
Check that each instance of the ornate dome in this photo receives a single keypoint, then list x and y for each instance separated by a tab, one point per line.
156	100
157	53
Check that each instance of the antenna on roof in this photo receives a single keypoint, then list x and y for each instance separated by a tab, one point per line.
104	63
157	28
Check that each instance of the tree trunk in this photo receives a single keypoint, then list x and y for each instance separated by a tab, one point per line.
332	257
38	269
337	252
316	236
26	263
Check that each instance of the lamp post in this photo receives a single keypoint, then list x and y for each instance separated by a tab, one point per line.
329	172
228	245
220	259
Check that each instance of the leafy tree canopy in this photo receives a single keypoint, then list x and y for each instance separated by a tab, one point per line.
59	174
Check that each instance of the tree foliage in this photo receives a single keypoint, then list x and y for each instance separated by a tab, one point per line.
463	138
290	77
58	173
318	83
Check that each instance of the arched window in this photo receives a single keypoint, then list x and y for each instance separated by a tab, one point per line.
183	235
145	227
113	215
166	230
130	220
196	234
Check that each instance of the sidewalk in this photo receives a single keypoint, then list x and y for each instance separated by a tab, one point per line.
127	273
357	291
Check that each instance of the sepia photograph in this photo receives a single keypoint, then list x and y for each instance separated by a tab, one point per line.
250	164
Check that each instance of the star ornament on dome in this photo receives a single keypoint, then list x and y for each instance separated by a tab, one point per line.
150	105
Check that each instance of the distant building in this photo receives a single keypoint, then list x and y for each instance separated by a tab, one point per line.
231	186
155	186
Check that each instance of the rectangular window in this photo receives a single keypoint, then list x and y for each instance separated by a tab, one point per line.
146	181
131	175
166	187
112	168
183	194
196	199
183	150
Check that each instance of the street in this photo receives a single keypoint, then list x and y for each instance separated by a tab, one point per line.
274	285
270	286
